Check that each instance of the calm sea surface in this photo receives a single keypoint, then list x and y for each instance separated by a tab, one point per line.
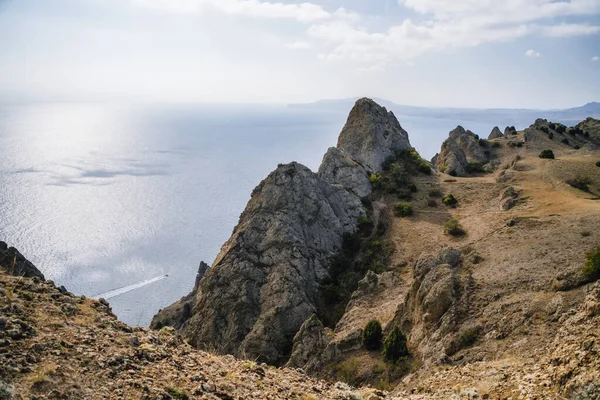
125	201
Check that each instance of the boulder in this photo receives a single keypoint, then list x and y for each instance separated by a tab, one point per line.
495	134
311	340
461	148
338	168
263	284
371	135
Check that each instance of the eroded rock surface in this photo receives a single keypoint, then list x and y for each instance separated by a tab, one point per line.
16	264
495	134
264	282
338	168
371	135
461	148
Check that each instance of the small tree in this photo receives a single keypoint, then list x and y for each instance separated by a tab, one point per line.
453	227
449	200
394	347
547	154
592	263
371	335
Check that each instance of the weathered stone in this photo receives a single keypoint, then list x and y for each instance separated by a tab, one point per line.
461	148
310	340
264	282
16	264
371	135
495	134
338	168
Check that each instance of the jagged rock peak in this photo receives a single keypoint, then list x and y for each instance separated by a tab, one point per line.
371	134
16	264
264	282
495	134
338	168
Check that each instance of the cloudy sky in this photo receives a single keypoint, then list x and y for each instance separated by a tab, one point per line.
476	53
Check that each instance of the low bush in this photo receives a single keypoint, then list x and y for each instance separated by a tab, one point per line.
365	225
431	203
547	154
580	183
544	129
483	143
438	193
403	209
475	167
560	128
496	145
347	371
565	141
449	200
453	227
592	264
551	136
371	335
468	337
597	163
552	126
394	347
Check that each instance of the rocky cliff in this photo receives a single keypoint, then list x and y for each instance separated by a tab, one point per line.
461	148
16	264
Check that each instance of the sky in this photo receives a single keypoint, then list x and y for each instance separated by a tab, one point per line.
451	53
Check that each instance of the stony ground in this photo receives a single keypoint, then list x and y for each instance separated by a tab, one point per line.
55	345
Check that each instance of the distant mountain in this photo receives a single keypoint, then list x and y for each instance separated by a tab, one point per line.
501	116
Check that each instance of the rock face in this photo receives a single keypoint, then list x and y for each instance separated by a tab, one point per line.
179	312
461	148
338	168
371	135
495	134
431	309
14	263
309	342
263	284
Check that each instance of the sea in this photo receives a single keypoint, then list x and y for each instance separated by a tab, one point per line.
123	201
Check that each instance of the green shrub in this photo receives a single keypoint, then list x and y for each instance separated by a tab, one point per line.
552	126
453	227
177	393
560	128
483	143
597	163
347	371
438	193
371	335
365	224
474	167
394	347
424	168
565	141
403	209
449	200
398	173
580	183
586	233
544	129
468	337
551	136
547	154
495	145
592	263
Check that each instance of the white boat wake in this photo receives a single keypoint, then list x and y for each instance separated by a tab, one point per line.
125	289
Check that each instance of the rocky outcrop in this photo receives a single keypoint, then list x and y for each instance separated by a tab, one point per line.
495	134
16	264
371	135
310	341
338	168
509	198
179	312
431	310
461	148
510	130
264	282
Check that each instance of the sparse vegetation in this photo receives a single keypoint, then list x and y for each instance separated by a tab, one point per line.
591	268
347	371
597	163
483	143
565	141
403	209
453	227
5	391
431	203
544	129
449	200
560	128
475	167
177	393
496	145
586	234
581	183
552	126
550	135
468	337
394	347
437	193
547	154
365	225
371	335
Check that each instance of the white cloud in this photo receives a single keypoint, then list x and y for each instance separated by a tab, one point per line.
299	45
532	53
595	58
304	12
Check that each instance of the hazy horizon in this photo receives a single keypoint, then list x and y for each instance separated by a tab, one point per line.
533	54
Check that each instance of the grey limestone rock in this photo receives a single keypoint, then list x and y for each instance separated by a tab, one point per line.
16	264
461	148
338	168
495	134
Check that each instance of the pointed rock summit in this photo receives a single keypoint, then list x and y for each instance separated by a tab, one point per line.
371	135
339	168
495	134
